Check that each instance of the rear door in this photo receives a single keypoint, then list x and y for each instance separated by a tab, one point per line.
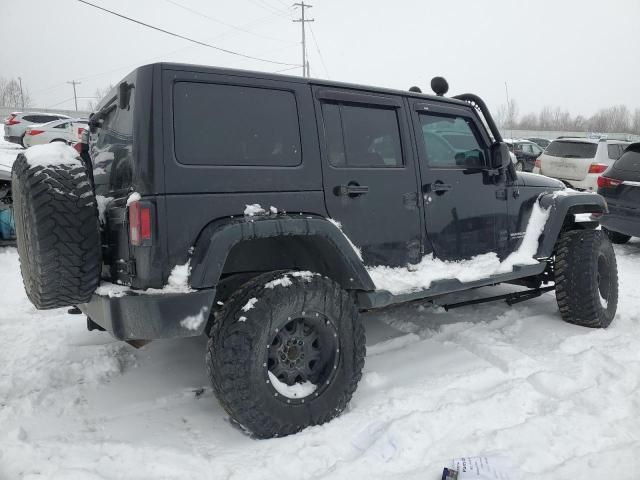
568	159
369	173
627	195
465	208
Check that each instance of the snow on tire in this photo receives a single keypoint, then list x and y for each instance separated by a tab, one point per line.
586	277
57	228
286	352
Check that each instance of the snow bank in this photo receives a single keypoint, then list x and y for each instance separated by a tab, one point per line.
56	153
559	400
419	277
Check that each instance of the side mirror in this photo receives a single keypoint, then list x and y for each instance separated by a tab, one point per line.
500	158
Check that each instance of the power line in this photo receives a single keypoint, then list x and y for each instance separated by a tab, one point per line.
269	8
302	21
315	41
233	27
198	42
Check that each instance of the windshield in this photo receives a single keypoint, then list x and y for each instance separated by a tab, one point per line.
569	149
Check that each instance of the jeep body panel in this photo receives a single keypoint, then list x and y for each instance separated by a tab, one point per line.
333	256
381	180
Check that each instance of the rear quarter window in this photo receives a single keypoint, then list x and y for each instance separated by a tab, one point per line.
629	161
111	150
569	149
233	125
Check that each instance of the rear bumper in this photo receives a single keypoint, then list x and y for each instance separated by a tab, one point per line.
618	222
588	183
148	317
8	138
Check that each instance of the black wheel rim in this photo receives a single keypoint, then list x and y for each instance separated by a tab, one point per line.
603	278
305	349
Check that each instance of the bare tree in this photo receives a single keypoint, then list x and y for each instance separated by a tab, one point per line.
545	119
635	122
528	122
98	95
11	95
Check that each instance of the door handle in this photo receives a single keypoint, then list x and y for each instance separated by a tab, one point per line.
439	187
350	190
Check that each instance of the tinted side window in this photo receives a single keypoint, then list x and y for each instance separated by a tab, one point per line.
362	136
614	151
436	129
62	125
235	125
31	118
629	160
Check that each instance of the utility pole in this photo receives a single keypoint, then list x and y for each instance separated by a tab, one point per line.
21	94
302	21
75	96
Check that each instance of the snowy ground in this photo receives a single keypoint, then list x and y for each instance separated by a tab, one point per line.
562	402
559	400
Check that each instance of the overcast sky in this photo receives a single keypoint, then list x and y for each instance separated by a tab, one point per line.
577	54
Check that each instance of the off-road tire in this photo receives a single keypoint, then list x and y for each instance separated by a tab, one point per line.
237	353
617	237
585	270
57	233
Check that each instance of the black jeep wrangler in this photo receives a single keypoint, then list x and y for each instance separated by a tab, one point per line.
267	211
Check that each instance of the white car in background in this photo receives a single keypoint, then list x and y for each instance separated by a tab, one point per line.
578	162
66	130
15	125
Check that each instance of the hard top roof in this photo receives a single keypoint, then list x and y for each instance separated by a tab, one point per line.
311	81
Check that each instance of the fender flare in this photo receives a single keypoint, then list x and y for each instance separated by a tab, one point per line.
564	203
218	238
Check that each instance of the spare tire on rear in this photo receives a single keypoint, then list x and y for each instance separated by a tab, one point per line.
57	227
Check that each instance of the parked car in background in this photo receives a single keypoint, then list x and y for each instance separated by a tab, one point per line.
66	130
15	125
578	162
620	186
7	225
526	153
541	142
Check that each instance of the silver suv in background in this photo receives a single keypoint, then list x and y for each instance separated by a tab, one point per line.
15	125
578	162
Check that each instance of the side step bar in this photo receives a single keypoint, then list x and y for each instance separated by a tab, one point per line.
510	298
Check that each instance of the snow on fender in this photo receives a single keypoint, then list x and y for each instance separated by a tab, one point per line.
57	226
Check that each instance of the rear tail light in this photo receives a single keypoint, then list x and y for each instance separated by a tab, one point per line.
606	182
11	120
538	163
598	167
34	132
78	147
80	130
139	224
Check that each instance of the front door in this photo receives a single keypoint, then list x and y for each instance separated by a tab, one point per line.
465	207
370	179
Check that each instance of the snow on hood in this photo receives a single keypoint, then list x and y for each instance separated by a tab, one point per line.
56	153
